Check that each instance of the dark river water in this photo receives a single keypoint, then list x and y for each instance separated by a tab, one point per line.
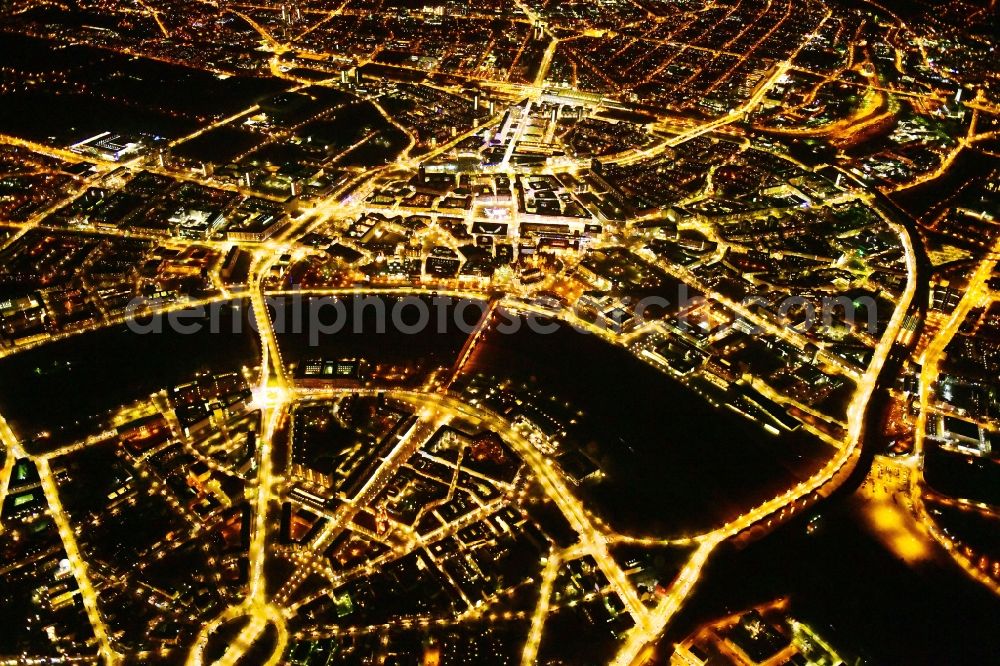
674	464
855	592
64	384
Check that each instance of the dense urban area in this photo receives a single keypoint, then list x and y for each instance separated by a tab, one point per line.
559	332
